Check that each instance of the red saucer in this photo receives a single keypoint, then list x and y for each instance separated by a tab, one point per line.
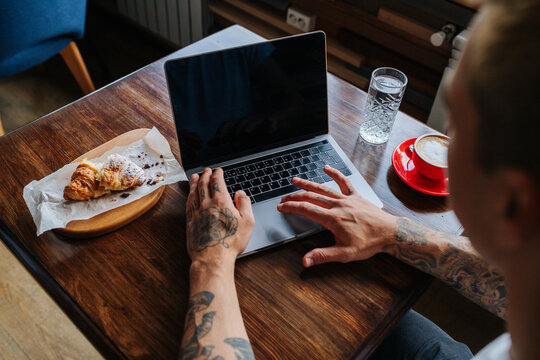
402	161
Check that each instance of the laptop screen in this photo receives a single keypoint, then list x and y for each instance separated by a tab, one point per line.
234	102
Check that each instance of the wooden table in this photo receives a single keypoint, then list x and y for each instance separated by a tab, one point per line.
128	290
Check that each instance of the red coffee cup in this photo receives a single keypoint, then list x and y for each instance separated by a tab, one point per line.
430	155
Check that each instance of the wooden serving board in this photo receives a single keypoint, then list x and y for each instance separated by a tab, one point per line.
120	216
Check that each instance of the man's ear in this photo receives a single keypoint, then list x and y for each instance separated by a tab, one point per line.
517	209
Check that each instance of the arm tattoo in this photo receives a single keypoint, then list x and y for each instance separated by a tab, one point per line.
469	274
193	333
410	233
211	227
419	259
456	263
191	345
242	348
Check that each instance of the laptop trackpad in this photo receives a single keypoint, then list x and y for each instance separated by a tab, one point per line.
281	227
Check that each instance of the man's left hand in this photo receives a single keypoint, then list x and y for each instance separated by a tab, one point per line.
360	229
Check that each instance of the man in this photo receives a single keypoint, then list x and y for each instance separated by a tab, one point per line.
494	172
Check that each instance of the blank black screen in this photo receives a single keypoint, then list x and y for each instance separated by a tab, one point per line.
238	101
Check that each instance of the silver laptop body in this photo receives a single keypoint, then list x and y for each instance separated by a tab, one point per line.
240	105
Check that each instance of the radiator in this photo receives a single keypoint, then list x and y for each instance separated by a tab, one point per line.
438	117
180	21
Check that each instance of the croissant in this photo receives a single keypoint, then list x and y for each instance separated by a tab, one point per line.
94	180
119	173
84	183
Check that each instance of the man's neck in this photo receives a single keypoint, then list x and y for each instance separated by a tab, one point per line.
523	286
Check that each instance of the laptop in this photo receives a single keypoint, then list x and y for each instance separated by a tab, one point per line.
260	112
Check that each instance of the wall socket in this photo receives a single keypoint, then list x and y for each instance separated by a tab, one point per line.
301	19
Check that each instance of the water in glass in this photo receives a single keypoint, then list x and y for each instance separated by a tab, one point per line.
384	97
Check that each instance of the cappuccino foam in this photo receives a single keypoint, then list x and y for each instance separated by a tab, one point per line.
434	149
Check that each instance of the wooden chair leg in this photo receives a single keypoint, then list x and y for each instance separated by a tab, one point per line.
1	128
75	63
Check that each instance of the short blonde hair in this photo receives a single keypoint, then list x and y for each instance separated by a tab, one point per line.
503	79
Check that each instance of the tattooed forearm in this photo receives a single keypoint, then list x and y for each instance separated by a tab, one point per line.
419	259
242	348
452	259
211	228
193	333
410	232
475	278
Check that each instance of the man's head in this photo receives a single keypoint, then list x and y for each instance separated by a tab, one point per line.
494	156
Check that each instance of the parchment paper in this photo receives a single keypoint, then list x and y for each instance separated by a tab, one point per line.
45	197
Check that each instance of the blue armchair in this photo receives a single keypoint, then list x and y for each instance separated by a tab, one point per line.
32	31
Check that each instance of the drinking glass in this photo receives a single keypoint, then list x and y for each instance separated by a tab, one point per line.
385	92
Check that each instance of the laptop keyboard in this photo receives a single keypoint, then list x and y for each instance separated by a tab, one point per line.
270	176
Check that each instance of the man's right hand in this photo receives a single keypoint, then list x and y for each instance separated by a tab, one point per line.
216	229
360	229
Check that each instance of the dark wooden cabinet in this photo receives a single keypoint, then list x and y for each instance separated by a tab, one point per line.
364	35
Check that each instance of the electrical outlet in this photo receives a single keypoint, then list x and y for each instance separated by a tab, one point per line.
301	19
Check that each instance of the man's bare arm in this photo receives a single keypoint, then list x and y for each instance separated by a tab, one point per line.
362	230
217	231
452	259
214	328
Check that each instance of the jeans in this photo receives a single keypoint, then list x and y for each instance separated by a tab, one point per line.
415	337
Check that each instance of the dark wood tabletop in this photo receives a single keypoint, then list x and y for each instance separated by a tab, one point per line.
128	290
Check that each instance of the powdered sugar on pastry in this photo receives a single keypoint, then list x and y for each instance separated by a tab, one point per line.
115	161
115	174
132	175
